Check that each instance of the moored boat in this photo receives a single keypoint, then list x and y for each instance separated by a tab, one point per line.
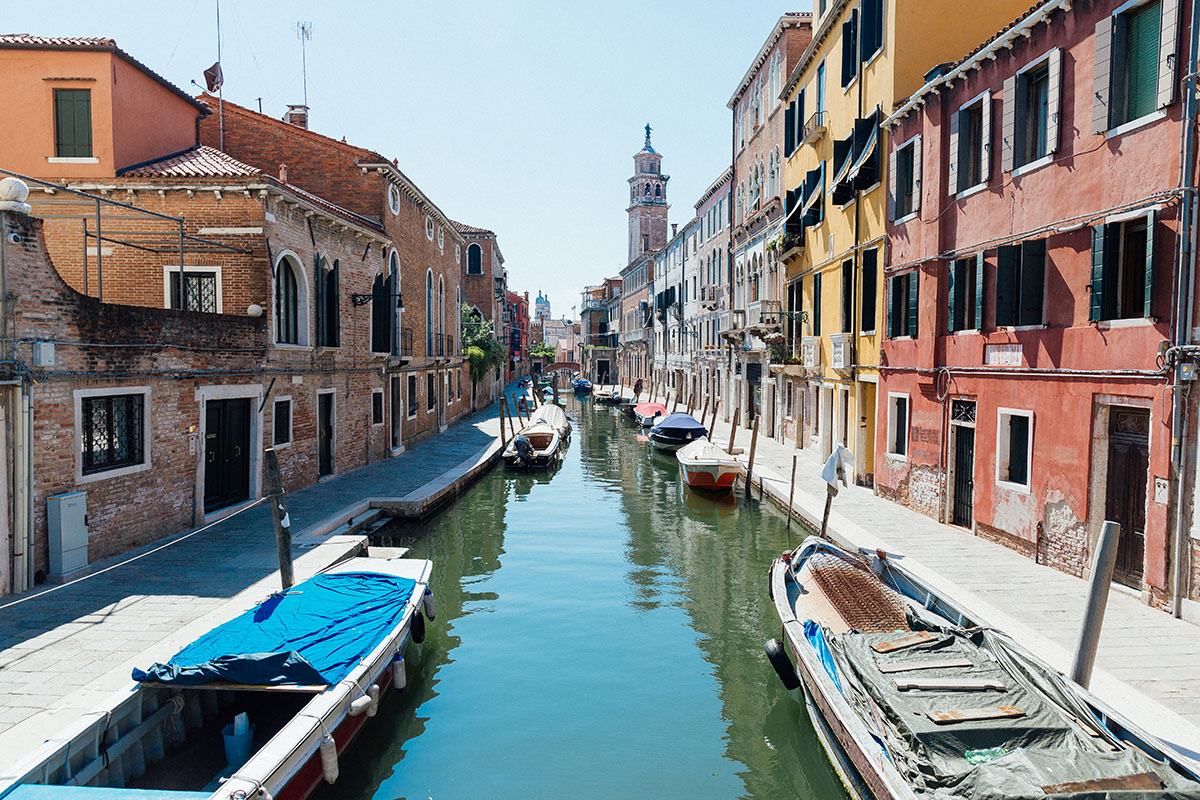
537	446
582	386
913	697
676	430
707	467
554	416
303	670
649	413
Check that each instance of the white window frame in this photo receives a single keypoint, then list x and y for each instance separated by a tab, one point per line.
393	194
984	147
303	312
407	402
890	440
169	270
231	391
429	227
147	432
287	398
1157	113
916	178
1037	163
1002	449
382	406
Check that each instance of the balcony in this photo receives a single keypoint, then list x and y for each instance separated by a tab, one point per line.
839	353
594	304
810	351
406	343
708	297
814	129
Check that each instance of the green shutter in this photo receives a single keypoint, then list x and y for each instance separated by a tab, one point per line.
977	317
816	307
891	308
1033	281
1142	31
319	302
73	123
914	279
1149	295
1096	304
1006	284
951	322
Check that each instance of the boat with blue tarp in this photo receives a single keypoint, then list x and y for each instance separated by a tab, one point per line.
676	430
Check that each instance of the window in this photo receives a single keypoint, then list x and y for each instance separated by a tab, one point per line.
1032	105
383	313
458	254
441	238
821	88
282	422
73	123
1020	283
429	313
970	144
474	260
394	198
377	407
112	431
288	308
328	304
847	296
430	390
902	304
413	402
850	49
199	290
1136	48
966	294
1014	448
872	28
897	422
1122	269
816	304
905	179
870	278
429	227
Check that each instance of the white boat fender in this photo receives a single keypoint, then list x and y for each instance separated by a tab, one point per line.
418	628
399	673
329	758
373	694
427	604
777	655
360	704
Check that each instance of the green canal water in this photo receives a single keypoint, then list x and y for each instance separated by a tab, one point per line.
599	634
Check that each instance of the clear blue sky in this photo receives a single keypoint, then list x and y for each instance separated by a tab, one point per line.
521	117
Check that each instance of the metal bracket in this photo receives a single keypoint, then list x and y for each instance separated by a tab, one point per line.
363	299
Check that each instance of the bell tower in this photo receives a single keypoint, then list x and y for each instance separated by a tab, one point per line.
647	201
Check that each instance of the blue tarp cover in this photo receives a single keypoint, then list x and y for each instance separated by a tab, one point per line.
29	791
314	634
816	638
679	423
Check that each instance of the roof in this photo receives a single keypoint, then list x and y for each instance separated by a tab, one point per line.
789	20
198	162
25	41
470	230
714	186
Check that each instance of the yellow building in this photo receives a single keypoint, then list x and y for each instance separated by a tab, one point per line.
864	56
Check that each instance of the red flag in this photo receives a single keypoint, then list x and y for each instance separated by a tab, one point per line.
214	77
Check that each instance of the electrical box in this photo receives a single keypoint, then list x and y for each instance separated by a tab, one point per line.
43	354
66	521
1187	371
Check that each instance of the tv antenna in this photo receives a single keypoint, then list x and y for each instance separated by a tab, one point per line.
304	33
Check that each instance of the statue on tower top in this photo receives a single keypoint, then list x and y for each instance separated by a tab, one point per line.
647	135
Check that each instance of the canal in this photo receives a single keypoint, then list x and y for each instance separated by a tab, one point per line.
599	634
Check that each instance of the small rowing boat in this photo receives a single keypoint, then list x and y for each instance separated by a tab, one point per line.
648	413
707	467
676	430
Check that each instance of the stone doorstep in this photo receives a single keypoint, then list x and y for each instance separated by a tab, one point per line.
68	713
1137	706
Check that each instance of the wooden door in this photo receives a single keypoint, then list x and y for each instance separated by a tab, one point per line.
964	476
324	434
1128	474
226	453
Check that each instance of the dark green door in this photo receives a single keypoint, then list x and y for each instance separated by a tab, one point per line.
226	453
324	434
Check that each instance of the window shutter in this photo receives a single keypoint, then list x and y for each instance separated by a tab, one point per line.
1008	132
1096	304
985	137
914	279
334	305
789	124
319	302
893	184
916	174
1149	295
1101	87
953	170
798	134
1168	45
1006	284
892	322
1033	281
950	321
978	321
1054	100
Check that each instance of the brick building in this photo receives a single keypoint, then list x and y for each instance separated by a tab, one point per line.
710	290
518	335
484	290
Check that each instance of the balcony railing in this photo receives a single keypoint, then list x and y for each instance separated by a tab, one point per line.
814	129
406	341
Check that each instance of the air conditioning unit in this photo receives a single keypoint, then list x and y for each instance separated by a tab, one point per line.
839	356
810	350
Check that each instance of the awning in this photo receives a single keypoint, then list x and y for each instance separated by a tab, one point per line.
816	187
865	149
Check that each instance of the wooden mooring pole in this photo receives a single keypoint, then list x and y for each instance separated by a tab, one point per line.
279	515
791	495
750	463
503	439
733	430
830	493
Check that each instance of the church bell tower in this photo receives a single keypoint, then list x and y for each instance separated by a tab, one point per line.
647	201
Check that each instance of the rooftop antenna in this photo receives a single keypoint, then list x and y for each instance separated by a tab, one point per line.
221	85
304	33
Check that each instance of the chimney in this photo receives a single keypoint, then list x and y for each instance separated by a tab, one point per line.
283	173
297	115
674	227
527	297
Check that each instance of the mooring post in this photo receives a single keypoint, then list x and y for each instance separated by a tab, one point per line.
704	411
713	426
830	493
1097	599
791	494
279	515
500	411
733	430
750	463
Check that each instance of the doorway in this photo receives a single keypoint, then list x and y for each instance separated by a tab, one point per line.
226	453
962	501
397	413
325	421
1125	503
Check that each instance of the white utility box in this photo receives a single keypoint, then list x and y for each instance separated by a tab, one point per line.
66	520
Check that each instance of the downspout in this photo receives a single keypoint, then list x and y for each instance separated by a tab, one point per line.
1183	313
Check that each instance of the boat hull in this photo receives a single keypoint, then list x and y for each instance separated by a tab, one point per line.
710	477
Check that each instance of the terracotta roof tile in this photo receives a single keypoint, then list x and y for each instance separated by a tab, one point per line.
468	230
199	162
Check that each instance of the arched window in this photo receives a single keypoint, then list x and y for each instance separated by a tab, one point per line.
287	303
647	190
658	191
474	260
441	306
429	313
328	304
382	314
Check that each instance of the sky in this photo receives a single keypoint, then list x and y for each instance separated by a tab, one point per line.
520	117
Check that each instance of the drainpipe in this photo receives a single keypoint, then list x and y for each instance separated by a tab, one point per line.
1183	313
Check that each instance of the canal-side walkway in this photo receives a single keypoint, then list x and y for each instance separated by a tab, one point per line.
1148	662
64	649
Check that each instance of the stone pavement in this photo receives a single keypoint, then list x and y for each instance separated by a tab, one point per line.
1143	652
63	648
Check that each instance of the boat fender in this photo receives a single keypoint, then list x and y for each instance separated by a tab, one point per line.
777	655
263	793
418	628
360	704
329	761
399	673
373	693
427	604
